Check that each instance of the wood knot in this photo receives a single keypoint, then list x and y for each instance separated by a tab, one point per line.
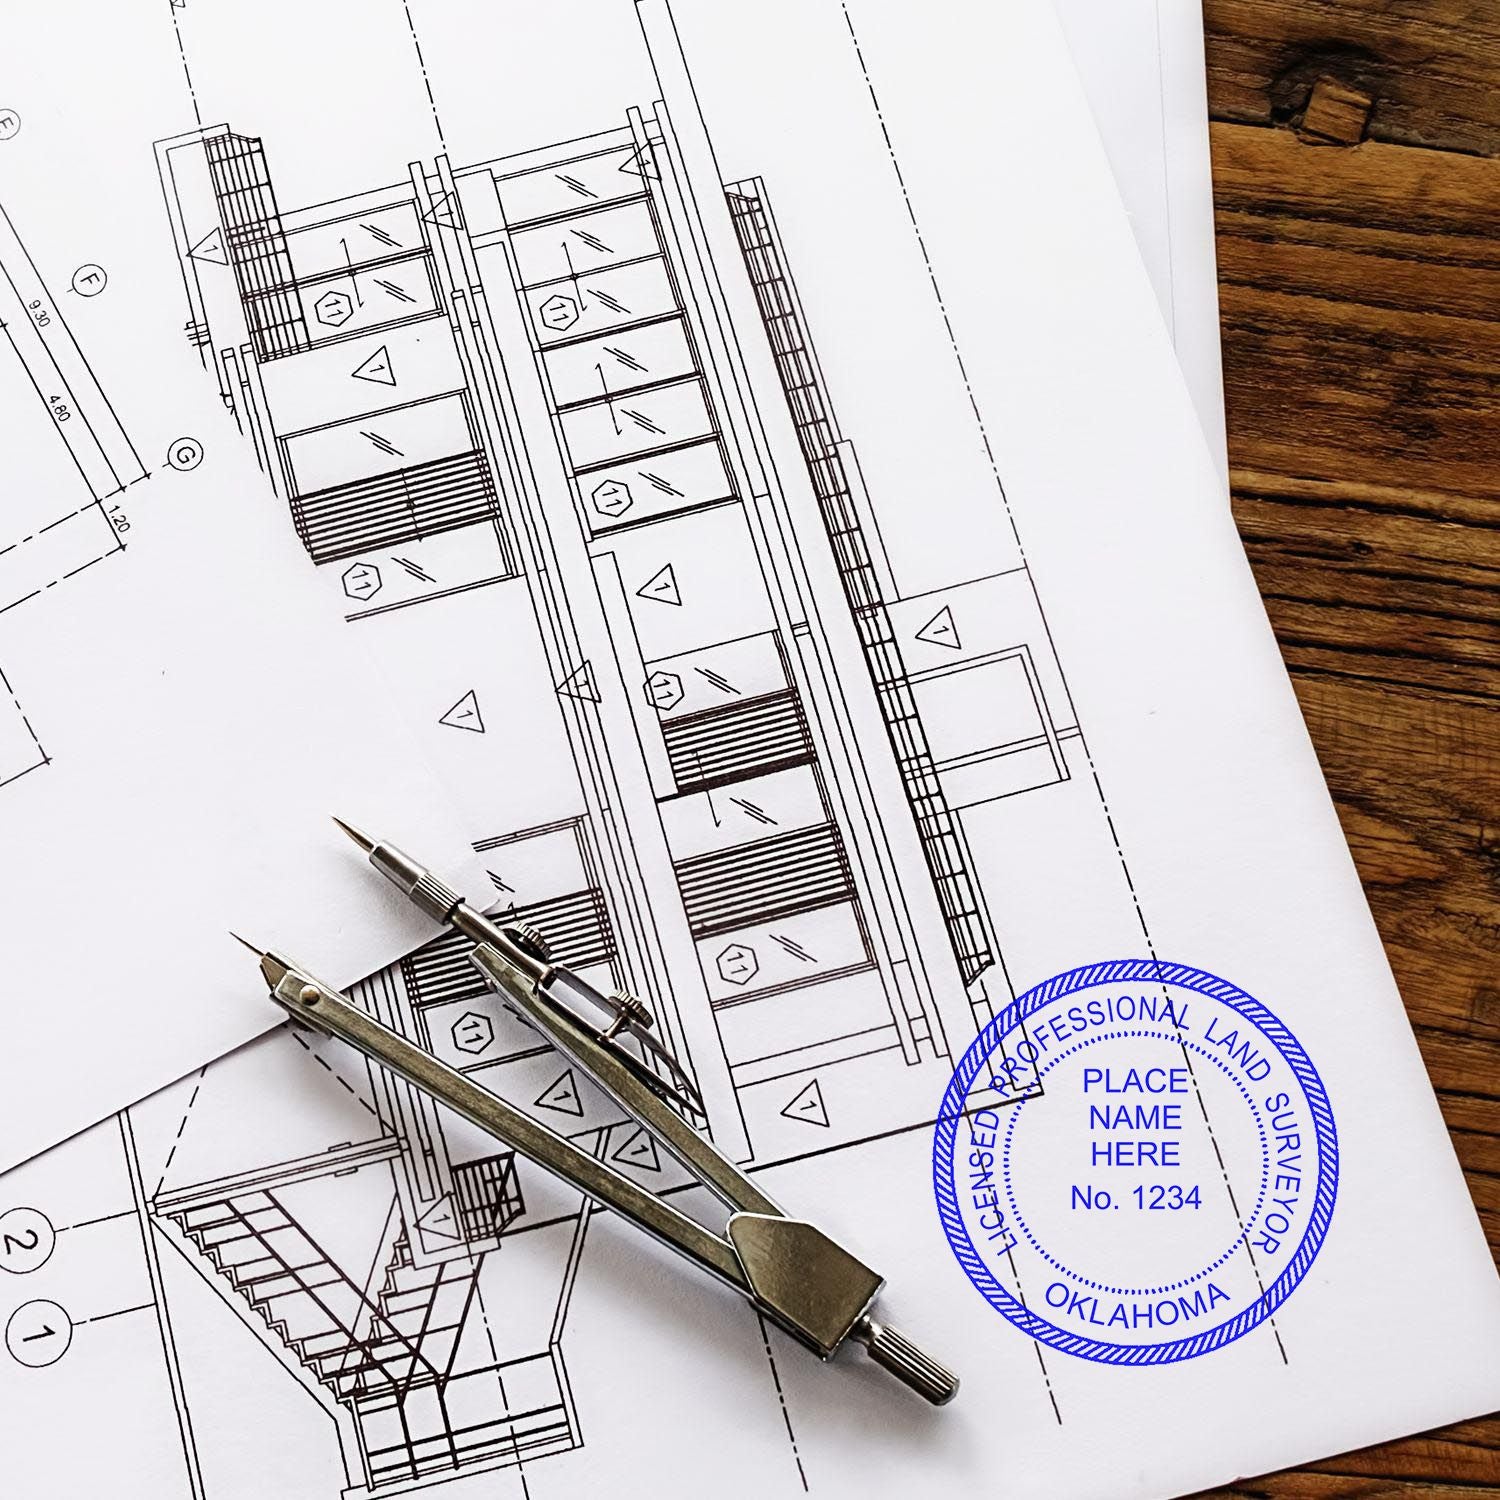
1336	114
1326	94
1484	1008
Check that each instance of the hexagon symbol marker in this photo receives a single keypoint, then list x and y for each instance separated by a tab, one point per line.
558	313
738	964
612	498
473	1032
362	581
333	308
664	691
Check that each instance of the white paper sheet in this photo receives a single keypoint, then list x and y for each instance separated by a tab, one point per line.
178	713
833	748
1141	65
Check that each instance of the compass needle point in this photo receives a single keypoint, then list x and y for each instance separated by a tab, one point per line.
364	841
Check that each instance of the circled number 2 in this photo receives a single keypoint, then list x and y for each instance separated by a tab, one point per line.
27	1239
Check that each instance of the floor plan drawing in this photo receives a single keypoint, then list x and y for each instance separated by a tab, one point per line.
555	428
57	419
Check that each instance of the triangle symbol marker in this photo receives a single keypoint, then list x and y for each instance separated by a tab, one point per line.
439	1222
211	248
465	714
808	1106
445	212
377	368
642	163
639	1150
579	684
940	630
562	1095
662	587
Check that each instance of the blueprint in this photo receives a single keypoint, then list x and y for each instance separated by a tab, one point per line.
759	467
172	730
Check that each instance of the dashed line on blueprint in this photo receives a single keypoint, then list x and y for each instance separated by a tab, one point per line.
25	724
71	573
411	26
43	530
489	1337
786	1415
338	1078
181	1126
187	72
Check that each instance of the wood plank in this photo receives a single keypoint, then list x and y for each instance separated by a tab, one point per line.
1370	596
1462	1460
1360	289
1371	189
1303	1485
1415	778
1464	1453
1432	67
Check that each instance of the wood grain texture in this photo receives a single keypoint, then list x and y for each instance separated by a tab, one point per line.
1428	65
1357	182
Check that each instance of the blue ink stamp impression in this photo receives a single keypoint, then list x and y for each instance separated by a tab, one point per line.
1135	1162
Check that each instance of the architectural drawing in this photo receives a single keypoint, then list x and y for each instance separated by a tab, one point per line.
553	427
691	452
516	398
57	421
145	620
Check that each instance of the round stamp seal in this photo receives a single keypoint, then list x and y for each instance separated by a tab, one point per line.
1135	1162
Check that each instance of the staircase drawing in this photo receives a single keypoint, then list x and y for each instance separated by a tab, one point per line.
414	1361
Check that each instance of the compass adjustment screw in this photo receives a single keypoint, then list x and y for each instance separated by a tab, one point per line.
529	939
628	1012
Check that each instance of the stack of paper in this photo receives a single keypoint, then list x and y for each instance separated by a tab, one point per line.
749	447
1142	69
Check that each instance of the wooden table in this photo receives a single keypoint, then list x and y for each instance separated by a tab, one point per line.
1357	178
